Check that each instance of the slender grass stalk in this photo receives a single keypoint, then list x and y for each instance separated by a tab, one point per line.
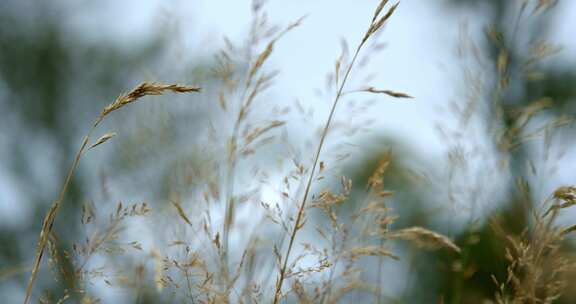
302	206
51	215
230	203
251	89
141	90
326	294
375	25
379	275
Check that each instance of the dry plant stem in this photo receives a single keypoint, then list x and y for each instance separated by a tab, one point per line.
376	23
379	275
326	294
302	206
51	215
230	178
189	285
97	245
246	100
228	213
141	90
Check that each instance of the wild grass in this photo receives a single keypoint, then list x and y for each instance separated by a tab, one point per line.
356	234
140	91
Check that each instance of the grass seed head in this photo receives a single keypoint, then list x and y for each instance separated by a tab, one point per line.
145	89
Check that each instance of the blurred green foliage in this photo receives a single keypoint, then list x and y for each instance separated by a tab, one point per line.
467	278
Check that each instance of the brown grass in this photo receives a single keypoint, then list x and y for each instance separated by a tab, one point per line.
274	262
376	23
140	91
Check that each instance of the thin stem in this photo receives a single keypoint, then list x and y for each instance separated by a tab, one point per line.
142	90
189	286
326	293
311	177
230	181
51	215
379	275
228	213
94	247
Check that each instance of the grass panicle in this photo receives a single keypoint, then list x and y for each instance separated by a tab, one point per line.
375	25
255	216
144	89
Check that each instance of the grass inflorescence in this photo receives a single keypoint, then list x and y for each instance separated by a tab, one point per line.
323	237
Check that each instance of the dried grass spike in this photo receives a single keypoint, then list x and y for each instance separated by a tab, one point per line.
373	251
104	138
375	181
181	212
268	50
261	59
144	89
259	131
379	9
566	193
568	230
425	238
388	92
378	24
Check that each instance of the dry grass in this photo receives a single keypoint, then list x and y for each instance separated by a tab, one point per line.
199	260
376	23
140	91
538	269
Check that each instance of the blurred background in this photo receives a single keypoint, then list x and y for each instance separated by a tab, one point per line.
61	62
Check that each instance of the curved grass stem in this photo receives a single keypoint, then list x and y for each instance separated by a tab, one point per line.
144	89
302	206
376	24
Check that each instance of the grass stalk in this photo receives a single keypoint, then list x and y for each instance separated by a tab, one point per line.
375	25
302	206
141	90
